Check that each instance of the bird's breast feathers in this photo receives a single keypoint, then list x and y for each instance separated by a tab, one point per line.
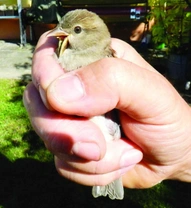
74	59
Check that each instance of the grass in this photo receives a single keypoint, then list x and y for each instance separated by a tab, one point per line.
18	140
28	177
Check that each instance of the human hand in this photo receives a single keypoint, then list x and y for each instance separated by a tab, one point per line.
153	116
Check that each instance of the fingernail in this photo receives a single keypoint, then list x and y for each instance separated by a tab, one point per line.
130	158
68	89
89	151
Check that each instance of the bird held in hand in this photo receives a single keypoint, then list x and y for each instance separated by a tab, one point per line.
84	39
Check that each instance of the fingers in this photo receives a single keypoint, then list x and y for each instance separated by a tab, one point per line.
109	168
76	143
62	133
88	179
45	67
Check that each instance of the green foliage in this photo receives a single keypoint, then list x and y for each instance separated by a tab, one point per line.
172	24
18	140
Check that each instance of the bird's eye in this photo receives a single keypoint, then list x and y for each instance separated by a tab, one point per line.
77	29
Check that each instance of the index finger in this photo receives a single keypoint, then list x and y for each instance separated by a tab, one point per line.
45	67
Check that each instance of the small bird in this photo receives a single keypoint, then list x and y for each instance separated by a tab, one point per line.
84	39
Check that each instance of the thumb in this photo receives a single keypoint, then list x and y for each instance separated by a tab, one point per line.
104	85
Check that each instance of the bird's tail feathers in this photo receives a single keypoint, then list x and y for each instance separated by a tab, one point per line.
114	190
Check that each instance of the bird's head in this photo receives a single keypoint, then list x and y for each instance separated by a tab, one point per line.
81	29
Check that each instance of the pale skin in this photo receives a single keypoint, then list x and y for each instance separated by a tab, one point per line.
156	121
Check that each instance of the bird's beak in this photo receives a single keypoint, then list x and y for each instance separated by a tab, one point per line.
63	39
